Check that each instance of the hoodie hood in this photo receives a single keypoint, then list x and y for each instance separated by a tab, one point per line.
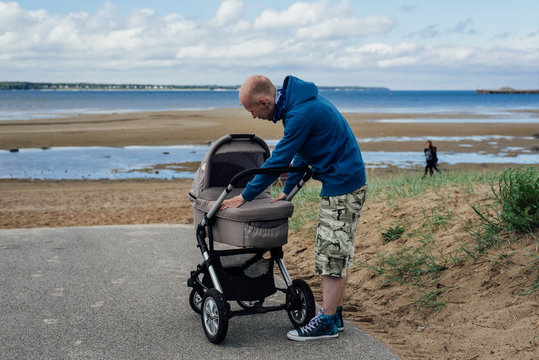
298	91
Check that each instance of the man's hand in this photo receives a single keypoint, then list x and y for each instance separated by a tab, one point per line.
234	202
279	197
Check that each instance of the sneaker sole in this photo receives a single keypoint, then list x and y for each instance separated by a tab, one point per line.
341	329
306	338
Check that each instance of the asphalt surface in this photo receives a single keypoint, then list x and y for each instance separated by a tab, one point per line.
119	292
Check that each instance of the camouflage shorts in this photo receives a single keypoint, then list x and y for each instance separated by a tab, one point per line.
337	224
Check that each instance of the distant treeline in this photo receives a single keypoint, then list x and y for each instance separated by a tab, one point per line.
352	88
20	85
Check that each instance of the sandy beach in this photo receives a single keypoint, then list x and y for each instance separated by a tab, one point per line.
378	309
202	127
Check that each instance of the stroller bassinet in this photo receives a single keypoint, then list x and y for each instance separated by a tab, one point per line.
257	223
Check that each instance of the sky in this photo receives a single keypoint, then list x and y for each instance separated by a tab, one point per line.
401	45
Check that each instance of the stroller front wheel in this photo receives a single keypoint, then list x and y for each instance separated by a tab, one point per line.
195	300
301	300
214	316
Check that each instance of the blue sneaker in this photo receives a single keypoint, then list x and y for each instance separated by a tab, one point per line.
320	327
338	319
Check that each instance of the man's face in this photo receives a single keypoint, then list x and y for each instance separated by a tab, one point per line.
261	109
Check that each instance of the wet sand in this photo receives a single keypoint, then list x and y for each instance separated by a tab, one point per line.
202	127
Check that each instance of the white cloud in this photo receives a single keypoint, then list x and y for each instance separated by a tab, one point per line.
322	20
399	61
229	11
343	28
298	14
322	37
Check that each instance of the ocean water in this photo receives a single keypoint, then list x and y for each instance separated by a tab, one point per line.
17	105
93	163
138	161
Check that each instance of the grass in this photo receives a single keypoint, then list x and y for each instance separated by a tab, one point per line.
408	265
510	209
515	208
518	196
404	185
430	300
305	205
393	233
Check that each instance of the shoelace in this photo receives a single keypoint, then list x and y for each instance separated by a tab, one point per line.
315	321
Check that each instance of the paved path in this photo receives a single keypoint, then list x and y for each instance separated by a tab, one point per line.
119	292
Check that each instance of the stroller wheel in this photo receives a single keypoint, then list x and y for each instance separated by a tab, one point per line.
195	300
250	304
214	316
301	299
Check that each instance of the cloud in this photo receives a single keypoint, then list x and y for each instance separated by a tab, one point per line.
339	28
322	20
323	37
298	14
229	11
408	7
464	27
503	35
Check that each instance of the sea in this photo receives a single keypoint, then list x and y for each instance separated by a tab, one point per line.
138	161
28	104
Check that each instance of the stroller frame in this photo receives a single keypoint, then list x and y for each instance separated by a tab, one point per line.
209	296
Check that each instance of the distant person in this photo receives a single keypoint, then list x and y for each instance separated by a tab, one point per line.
431	157
315	134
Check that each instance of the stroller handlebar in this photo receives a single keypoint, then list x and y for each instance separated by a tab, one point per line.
242	136
272	171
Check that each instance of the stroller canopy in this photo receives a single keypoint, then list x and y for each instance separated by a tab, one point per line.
226	157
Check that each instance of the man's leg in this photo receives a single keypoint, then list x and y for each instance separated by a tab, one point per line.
332	293
334	252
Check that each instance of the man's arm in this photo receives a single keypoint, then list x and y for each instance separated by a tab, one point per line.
296	131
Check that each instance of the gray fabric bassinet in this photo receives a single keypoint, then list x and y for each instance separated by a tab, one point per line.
257	223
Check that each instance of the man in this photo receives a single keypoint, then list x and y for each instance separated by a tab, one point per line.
315	134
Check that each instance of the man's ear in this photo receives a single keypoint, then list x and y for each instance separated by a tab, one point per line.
263	101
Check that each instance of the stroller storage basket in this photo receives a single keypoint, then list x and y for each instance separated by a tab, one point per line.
245	277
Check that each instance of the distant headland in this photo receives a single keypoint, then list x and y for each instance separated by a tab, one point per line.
21	85
506	90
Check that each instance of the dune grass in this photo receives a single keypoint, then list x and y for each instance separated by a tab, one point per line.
511	209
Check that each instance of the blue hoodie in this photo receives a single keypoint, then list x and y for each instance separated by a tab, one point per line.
315	134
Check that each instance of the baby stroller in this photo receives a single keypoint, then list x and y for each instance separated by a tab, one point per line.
252	236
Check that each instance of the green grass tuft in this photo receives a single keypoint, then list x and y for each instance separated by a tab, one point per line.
393	233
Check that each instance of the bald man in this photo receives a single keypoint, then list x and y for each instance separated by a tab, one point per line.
315	134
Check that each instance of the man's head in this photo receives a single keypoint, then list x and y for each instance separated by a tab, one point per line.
257	95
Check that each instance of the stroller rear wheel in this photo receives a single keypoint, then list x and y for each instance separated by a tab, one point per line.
301	299
195	300
214	316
